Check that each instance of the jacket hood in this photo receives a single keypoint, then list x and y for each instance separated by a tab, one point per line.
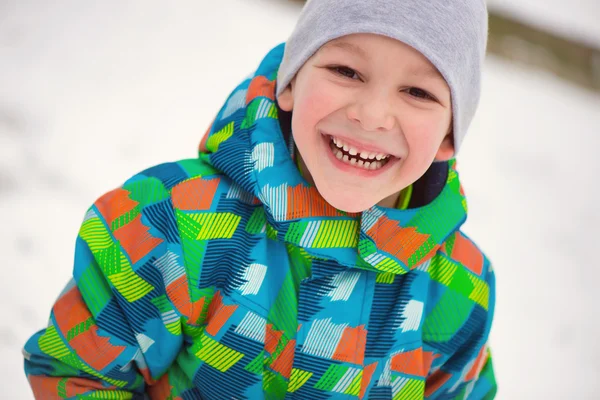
245	143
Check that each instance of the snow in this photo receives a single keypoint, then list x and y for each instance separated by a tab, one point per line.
91	93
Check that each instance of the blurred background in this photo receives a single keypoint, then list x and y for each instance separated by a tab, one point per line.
93	92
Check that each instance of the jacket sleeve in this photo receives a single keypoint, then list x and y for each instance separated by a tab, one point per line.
113	330
463	366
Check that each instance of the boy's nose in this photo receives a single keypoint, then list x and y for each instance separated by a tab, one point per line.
372	112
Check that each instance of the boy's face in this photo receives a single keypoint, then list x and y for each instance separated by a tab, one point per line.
370	114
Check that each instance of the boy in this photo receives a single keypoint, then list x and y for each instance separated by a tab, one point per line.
313	249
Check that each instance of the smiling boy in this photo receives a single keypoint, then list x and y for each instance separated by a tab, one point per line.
313	250
372	95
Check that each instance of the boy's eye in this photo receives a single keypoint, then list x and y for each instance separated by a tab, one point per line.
345	71
419	94
352	74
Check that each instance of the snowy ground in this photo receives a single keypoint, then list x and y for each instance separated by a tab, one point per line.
91	93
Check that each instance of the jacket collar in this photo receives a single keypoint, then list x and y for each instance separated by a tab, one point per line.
246	143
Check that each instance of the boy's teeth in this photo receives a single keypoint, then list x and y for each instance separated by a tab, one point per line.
353	151
354	160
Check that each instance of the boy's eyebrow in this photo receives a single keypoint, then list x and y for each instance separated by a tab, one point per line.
347	46
427	72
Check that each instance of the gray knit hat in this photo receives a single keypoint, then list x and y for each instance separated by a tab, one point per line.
452	34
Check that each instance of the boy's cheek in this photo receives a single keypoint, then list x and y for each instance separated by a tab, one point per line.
422	146
424	128
316	105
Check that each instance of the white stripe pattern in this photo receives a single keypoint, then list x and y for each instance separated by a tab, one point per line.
89	215
344	285
277	198
370	218
252	326
127	366
323	338
375	258
310	233
263	108
386	375
463	375
138	359
465	371
236	101
169	267
169	317
413	312
144	341
398	384
346	380
424	267
237	192
263	156
469	388
247	163
254	276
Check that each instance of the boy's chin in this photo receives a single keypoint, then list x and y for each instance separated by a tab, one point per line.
350	202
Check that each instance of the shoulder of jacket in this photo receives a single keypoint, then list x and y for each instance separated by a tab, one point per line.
463	250
161	183
465	270
463	293
172	174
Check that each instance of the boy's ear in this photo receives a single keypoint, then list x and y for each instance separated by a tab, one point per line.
286	98
446	150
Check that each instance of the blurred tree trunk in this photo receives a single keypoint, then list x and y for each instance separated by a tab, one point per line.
574	61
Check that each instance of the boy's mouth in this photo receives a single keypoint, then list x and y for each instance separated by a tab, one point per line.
355	157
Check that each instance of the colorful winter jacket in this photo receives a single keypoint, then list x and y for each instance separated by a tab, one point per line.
228	276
